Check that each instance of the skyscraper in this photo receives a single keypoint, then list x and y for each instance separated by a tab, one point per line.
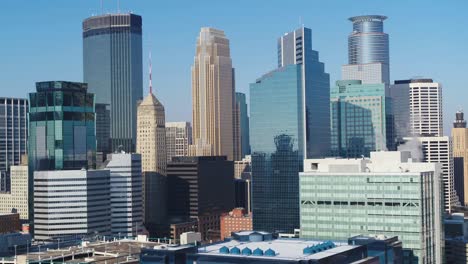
241	127
112	67
399	92
18	196
460	157
425	108
296	48
278	141
13	136
360	119
212	96
151	144
178	139
368	51
126	199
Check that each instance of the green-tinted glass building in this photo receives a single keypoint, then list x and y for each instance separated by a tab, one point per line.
61	127
361	119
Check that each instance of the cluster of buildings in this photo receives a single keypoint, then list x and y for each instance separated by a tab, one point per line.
360	170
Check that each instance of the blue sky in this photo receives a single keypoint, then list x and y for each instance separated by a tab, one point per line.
41	40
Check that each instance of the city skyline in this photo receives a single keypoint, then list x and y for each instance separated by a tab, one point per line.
409	58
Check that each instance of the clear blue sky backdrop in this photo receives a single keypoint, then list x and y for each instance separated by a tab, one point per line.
41	40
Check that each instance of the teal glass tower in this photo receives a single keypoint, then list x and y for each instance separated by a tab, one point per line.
112	67
278	142
361	119
244	124
61	127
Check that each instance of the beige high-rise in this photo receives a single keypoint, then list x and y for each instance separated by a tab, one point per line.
212	96
460	152
151	144
17	198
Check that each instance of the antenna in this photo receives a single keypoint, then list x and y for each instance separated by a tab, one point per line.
150	73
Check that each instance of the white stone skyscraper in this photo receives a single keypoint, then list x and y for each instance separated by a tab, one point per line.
425	101
212	96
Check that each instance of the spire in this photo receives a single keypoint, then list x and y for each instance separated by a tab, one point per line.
150	73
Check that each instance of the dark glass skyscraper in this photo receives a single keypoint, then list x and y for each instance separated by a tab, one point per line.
296	48
112	67
278	142
243	120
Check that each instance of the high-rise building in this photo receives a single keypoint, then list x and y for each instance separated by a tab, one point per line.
126	199
243	168
360	119
201	188
151	144
13	136
460	157
399	92
368	52
388	194
234	221
425	99
112	67
296	48
17	199
70	203
178	139
278	142
212	96
103	123
241	127
439	150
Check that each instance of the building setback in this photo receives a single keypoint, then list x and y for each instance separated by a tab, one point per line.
388	194
112	67
201	188
212	96
13	136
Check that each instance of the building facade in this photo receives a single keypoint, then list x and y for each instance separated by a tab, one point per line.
234	221
460	157
388	194
368	51
178	139
103	129
241	127
400	94
112	67
212	96
13	136
278	142
18	197
296	48
126	198
361	119
9	223
71	203
151	144
201	188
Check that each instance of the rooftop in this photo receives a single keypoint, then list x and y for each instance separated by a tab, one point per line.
367	18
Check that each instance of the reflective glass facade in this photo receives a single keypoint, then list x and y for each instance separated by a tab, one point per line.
112	67
61	127
361	119
244	124
278	148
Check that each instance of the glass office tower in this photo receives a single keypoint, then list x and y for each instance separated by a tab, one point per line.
61	127
296	48
112	67
277	132
244	124
361	119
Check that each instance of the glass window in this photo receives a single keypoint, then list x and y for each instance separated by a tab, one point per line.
50	99
67	98
41	100
58	98
78	99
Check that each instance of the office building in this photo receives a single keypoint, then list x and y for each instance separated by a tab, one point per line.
151	144
178	139
425	108
296	48
112	67
241	127
61	127
126	198
243	194
236	220
387	194
17	199
368	51
460	157
201	188
13	136
361	119
259	247
278	142
456	237
178	228
9	223
103	129
439	150
243	168
212	96
399	92
71	203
